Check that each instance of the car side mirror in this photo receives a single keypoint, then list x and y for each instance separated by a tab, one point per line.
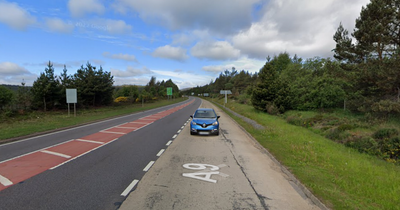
218	117
191	116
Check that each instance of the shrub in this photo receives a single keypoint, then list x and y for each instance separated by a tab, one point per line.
365	145
345	127
121	99
390	149
385	133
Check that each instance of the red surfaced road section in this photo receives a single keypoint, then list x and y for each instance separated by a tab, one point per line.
20	168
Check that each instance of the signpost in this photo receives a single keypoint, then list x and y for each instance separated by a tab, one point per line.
71	99
169	92
226	92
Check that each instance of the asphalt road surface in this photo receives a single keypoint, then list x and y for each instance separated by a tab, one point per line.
228	171
146	160
88	167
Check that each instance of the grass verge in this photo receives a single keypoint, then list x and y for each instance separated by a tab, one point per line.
37	122
341	177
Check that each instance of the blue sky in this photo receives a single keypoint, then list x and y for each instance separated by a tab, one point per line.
190	42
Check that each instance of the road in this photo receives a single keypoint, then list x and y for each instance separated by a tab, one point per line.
88	167
228	171
146	160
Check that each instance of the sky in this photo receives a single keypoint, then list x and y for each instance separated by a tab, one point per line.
188	41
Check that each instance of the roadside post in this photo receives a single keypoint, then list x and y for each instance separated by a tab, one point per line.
71	99
226	92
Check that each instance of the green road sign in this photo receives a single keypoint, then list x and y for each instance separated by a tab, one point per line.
169	91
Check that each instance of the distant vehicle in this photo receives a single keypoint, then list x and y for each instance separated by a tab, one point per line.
204	122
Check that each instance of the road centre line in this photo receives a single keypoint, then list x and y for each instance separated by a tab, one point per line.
4	181
56	154
148	166
129	188
160	152
90	141
83	154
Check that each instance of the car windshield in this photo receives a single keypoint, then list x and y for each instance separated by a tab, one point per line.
204	114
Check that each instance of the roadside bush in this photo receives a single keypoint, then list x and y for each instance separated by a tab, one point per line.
345	127
390	149
365	145
121	99
293	120
385	133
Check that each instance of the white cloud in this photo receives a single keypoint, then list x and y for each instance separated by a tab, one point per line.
58	25
220	50
169	52
120	56
130	72
13	74
246	64
304	28
80	8
14	16
118	27
8	69
183	79
222	16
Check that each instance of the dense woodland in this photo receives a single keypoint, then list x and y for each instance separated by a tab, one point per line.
364	75
95	87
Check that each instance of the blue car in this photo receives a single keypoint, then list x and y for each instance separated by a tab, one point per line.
205	121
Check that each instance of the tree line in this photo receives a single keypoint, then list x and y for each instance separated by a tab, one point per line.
95	87
362	77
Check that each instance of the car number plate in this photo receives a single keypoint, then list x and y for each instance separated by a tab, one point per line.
203	133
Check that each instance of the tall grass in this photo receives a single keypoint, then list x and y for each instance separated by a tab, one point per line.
340	176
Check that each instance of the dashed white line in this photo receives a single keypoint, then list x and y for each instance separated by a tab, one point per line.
4	181
160	152
148	166
169	143
129	188
112	132
174	136
82	154
179	131
90	141
56	154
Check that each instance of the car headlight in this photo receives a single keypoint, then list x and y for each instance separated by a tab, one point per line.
194	123
215	123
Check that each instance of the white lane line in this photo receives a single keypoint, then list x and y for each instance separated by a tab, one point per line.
82	154
179	131
183	127
169	143
4	181
34	151
160	152
174	136
148	166
113	132
56	154
128	127
90	141
129	188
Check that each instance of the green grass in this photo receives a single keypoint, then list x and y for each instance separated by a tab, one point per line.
341	177
36	122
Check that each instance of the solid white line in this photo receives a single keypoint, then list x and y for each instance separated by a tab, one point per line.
175	136
148	166
56	154
4	181
82	154
128	127
160	152
90	141
169	143
129	188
